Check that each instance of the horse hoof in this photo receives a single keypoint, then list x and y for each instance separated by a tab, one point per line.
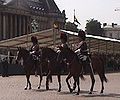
39	87
25	88
59	90
101	92
77	93
90	92
71	90
47	88
30	88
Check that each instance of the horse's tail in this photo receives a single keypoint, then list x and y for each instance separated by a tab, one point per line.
104	78
50	78
82	77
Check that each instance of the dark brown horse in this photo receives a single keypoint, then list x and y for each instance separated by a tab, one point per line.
54	67
28	65
75	68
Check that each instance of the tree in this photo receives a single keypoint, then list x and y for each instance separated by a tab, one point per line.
69	26
93	27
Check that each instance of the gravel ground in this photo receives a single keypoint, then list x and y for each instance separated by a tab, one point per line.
12	88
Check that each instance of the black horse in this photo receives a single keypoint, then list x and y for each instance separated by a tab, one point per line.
54	67
75	68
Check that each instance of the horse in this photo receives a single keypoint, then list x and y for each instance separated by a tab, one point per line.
28	65
54	67
75	67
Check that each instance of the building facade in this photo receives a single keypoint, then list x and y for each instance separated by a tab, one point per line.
20	17
112	31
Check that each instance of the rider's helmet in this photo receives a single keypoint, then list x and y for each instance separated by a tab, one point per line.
34	39
82	34
63	36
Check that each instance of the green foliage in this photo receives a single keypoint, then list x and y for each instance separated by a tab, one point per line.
69	26
93	27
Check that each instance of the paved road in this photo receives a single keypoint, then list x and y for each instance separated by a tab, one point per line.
12	88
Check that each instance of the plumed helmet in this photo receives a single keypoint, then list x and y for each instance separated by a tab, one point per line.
63	36
81	34
34	39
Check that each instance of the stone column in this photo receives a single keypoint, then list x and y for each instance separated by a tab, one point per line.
0	26
20	25
23	25
15	28
11	26
4	27
7	27
28	25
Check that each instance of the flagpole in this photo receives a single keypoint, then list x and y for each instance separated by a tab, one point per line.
73	36
74	16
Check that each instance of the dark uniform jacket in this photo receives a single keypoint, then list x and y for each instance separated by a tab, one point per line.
82	48
35	48
64	45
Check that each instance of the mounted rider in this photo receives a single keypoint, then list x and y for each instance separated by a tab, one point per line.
82	50
34	50
63	38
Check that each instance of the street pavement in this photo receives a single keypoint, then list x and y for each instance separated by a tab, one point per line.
12	88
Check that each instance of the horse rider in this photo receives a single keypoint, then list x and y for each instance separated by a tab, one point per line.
34	50
82	50
63	38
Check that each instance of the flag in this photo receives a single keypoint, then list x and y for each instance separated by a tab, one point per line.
75	19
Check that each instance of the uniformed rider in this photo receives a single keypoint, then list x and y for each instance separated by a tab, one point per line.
63	38
82	50
34	50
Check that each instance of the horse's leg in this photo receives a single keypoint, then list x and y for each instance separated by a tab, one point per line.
59	81
28	82
47	80
50	79
40	72
68	77
40	81
102	83
77	79
74	84
92	78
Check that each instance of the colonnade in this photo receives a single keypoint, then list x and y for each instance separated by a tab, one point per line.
12	25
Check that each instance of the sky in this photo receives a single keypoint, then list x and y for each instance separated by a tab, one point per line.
101	10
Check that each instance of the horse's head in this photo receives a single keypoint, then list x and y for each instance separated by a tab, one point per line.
21	53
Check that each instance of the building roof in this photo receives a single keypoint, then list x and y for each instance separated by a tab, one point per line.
46	6
110	26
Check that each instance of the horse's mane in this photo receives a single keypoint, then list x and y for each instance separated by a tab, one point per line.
49	51
23	49
71	52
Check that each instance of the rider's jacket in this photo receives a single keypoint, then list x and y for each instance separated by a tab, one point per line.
82	51
64	45
34	51
35	48
82	48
